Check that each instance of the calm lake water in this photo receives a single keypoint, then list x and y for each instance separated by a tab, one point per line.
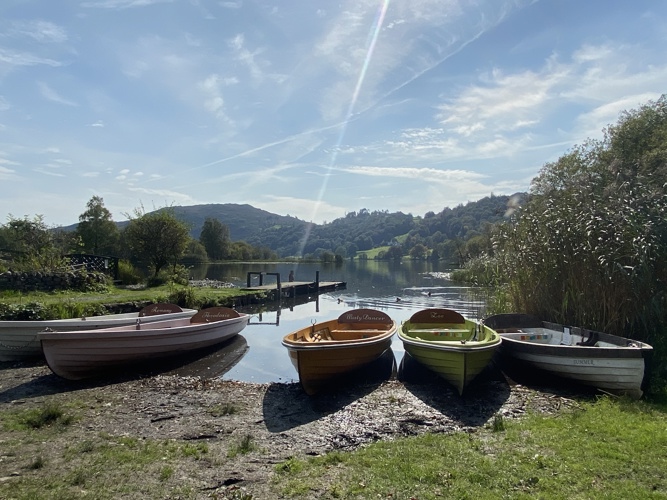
398	289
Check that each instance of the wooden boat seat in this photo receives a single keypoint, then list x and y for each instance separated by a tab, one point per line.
317	336
353	334
441	332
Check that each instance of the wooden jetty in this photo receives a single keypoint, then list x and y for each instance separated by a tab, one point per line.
280	289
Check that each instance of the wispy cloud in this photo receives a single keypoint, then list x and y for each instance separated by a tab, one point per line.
51	173
50	94
41	31
7	173
168	196
428	175
249	58
121	4
16	58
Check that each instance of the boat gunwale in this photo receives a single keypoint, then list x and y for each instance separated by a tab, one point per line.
452	345
298	345
578	351
519	321
151	329
88	320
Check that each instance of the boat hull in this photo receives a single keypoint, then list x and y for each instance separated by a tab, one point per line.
320	368
456	366
322	360
611	363
454	348
84	354
18	339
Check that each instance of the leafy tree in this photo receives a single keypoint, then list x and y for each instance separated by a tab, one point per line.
157	238
97	230
418	252
240	250
31	243
394	253
215	238
195	252
326	256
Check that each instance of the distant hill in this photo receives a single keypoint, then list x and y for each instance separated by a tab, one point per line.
245	222
357	231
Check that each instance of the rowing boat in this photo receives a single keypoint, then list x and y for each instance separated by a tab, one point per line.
322	352
455	348
18	339
608	362
82	354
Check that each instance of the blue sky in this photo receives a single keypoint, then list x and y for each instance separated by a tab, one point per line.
307	108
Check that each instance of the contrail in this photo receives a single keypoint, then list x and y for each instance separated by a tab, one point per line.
377	26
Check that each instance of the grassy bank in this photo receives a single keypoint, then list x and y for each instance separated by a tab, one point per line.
71	304
605	449
609	448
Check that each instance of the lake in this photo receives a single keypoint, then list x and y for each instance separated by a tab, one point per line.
398	289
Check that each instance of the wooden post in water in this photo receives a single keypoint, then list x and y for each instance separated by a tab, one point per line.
250	274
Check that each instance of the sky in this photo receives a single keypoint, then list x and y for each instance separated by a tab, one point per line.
307	108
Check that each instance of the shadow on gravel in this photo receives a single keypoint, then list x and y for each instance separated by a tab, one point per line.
286	406
523	374
211	362
480	401
45	385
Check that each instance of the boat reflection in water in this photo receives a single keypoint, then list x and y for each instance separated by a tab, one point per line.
212	362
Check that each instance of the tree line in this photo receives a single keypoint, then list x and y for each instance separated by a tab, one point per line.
151	240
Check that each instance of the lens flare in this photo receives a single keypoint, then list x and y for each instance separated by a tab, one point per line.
375	32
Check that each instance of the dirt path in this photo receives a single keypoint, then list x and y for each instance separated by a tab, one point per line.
280	419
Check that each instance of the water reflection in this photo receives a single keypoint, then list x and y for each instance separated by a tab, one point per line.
214	361
399	289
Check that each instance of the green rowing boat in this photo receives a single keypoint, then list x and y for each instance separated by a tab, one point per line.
455	348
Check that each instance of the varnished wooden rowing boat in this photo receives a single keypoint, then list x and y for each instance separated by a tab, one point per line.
322	352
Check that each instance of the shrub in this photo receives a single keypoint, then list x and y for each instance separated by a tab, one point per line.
128	274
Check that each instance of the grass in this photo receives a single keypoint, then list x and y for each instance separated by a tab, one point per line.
221	410
373	252
244	446
605	449
107	467
608	448
49	415
71	303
